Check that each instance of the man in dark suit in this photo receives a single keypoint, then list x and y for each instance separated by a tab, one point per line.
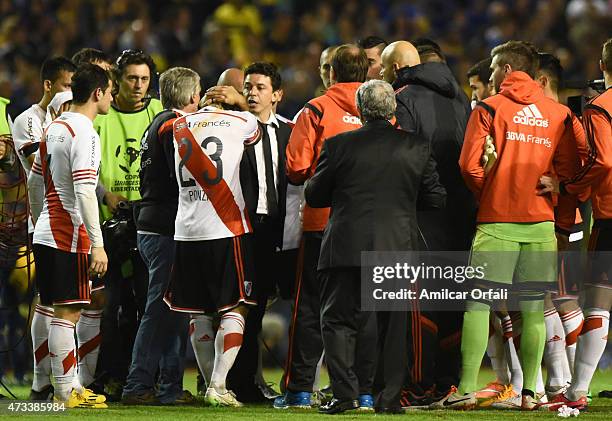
372	178
264	186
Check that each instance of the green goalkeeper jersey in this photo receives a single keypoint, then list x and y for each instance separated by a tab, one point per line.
120	135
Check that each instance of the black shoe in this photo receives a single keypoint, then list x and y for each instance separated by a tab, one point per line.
251	394
268	391
44	395
390	410
415	397
605	394
328	392
337	406
145	398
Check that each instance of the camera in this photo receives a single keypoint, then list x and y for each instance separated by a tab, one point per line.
119	232
576	103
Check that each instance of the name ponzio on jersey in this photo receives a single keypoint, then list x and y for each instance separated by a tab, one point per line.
209	146
530	116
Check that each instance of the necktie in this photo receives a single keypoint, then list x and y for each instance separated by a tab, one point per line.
270	184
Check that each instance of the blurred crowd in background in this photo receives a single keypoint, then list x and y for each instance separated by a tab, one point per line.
211	35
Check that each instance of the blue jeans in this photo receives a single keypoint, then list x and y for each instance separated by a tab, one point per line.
162	336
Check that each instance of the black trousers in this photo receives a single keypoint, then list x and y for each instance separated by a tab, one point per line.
349	334
434	344
434	349
241	377
392	357
305	343
126	299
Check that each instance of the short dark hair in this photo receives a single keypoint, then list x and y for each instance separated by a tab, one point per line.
549	64
86	80
482	69
350	63
371	42
606	55
90	55
51	68
427	46
128	57
266	69
520	55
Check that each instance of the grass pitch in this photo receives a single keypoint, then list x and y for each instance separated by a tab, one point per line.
600	409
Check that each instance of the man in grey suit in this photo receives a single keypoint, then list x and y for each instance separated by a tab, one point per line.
373	178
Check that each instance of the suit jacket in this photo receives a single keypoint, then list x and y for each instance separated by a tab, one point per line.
250	184
373	178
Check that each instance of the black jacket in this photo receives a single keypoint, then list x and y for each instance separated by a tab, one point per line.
431	103
156	211
373	178
250	185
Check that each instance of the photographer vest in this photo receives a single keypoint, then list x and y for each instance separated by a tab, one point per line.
120	137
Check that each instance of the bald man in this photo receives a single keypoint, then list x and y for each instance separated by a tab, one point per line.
233	77
396	56
431	103
228	91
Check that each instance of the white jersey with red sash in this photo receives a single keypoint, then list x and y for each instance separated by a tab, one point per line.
69	154
209	146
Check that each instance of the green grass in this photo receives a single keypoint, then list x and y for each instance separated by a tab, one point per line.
600	409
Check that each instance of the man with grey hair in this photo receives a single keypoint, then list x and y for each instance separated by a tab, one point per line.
162	334
376	100
365	175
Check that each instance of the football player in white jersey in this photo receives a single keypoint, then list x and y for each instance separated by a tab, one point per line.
55	74
213	268
88	327
67	226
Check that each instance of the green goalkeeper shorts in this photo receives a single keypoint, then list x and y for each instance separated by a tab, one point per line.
507	261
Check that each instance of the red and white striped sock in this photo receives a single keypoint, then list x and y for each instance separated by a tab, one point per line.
202	338
514	363
227	344
591	345
40	344
572	325
89	338
63	356
555	359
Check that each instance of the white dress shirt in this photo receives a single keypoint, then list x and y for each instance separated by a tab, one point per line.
271	126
